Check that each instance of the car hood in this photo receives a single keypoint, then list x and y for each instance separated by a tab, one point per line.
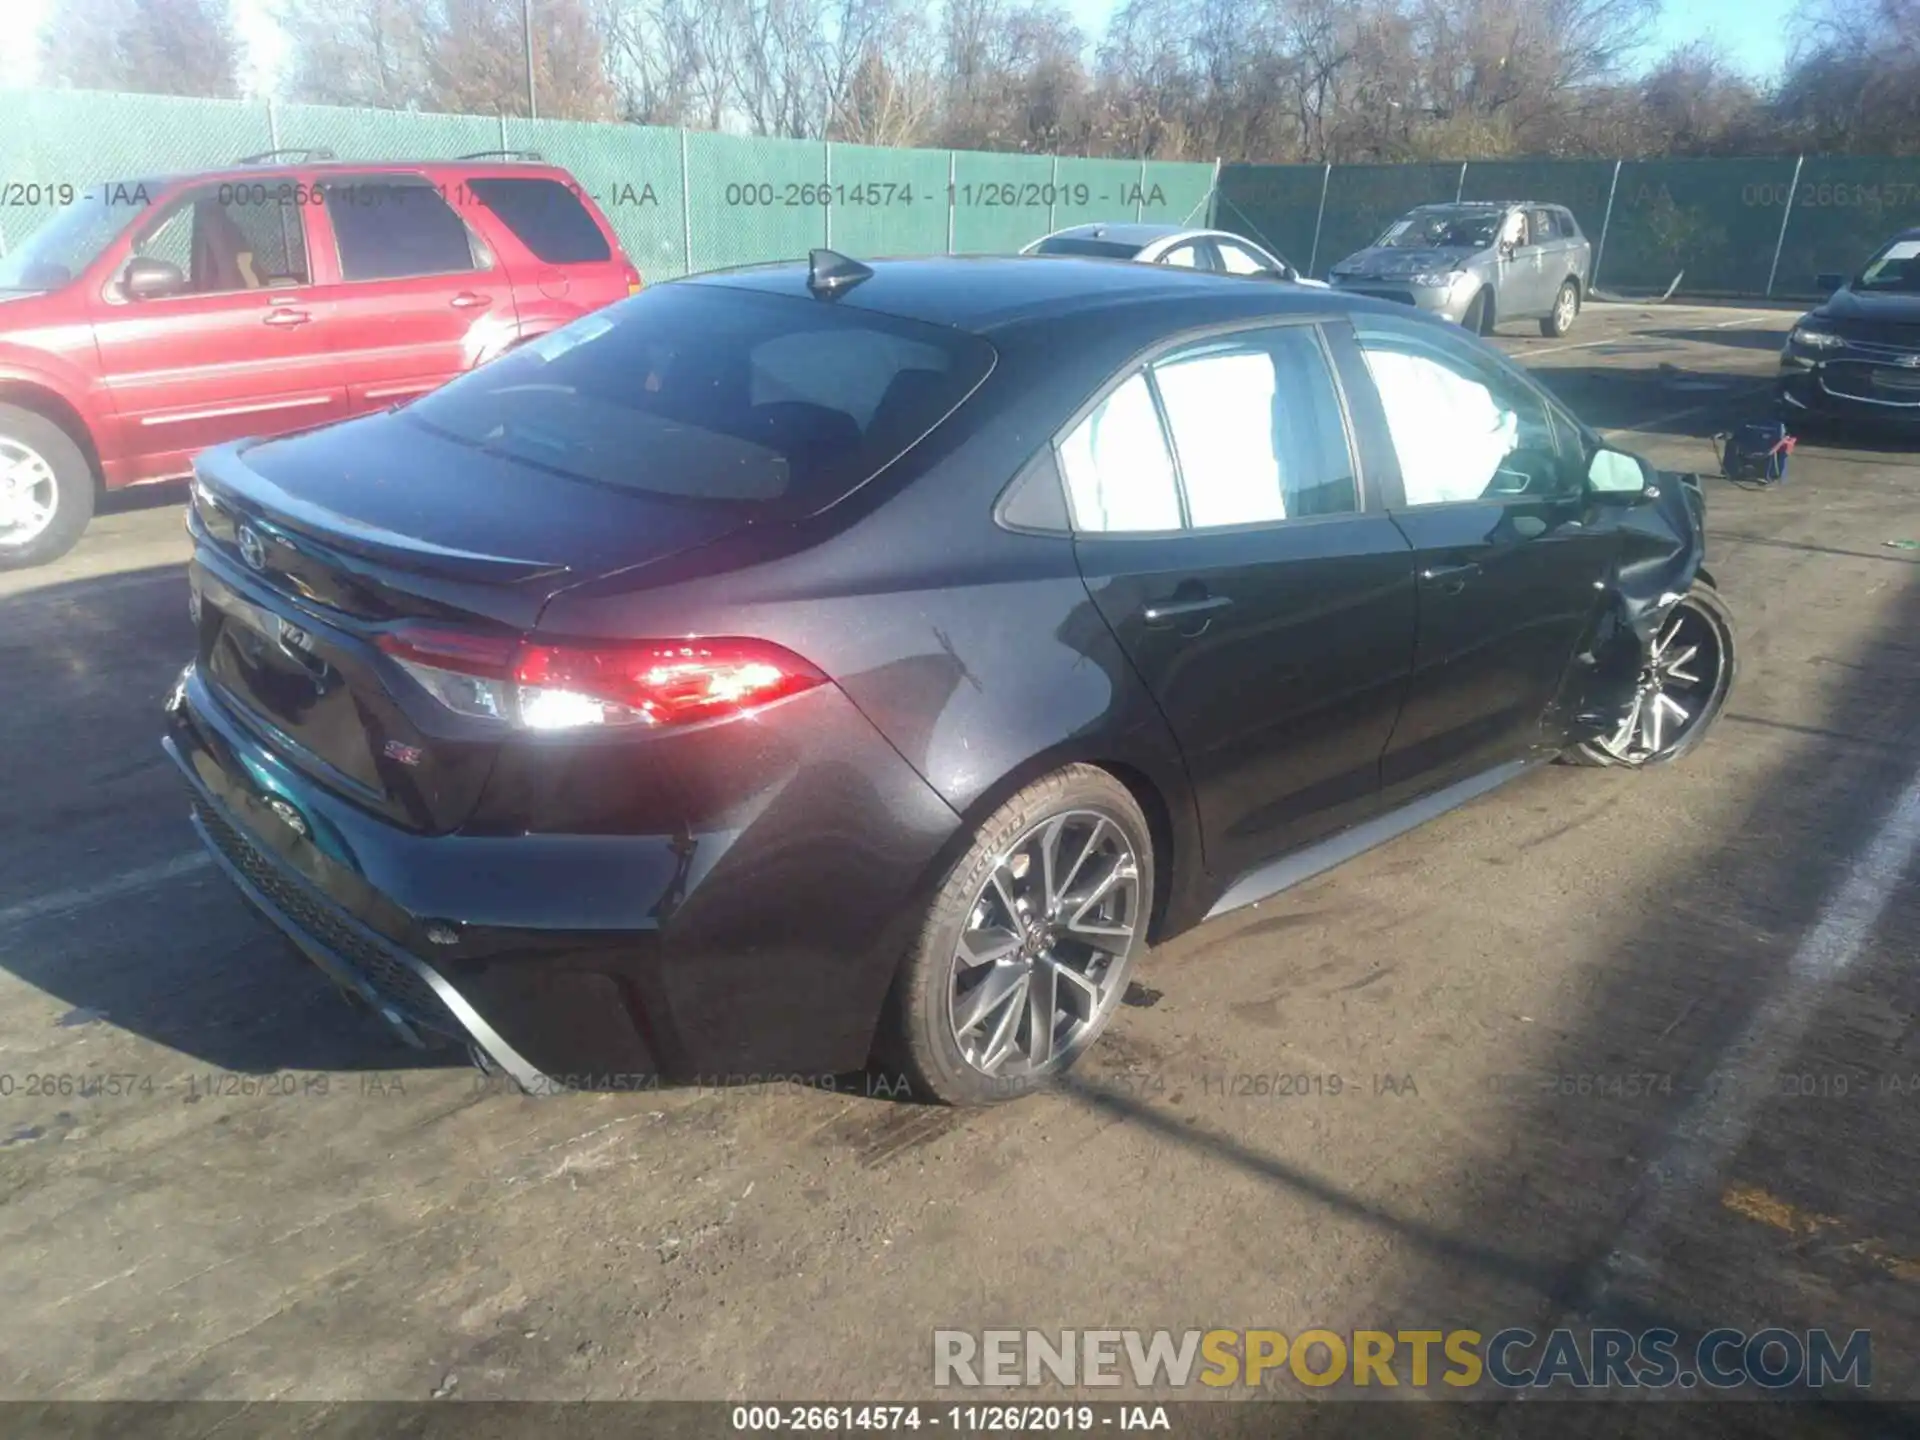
1865	316
1380	261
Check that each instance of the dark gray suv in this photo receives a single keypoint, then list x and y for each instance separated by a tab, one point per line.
1479	263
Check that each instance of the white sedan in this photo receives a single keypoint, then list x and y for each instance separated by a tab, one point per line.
1214	250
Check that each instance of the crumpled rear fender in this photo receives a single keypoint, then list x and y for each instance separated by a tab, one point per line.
1662	552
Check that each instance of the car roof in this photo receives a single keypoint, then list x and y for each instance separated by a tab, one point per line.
489	169
1489	204
980	293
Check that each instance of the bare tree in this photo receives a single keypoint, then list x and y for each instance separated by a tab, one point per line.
358	52
151	47
671	62
882	80
1855	81
1015	80
463	56
1317	80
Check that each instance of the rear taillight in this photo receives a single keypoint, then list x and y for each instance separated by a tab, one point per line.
633	281
544	686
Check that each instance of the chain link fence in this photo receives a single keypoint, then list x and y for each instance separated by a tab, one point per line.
680	200
1736	228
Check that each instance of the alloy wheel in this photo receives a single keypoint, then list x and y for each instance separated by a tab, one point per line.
1676	690
1564	309
29	493
1042	958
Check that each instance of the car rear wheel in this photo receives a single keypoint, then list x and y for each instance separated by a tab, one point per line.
1566	309
1027	946
46	489
1689	671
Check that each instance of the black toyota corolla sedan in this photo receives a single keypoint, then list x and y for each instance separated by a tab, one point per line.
817	666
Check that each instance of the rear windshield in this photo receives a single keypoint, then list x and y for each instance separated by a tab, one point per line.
547	217
710	393
1105	249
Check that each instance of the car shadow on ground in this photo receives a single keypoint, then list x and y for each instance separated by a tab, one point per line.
1733	337
1696	404
1765	1177
171	954
156	495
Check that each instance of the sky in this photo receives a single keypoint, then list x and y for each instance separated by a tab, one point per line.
1752	32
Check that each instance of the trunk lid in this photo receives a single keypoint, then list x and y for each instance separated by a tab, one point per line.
310	548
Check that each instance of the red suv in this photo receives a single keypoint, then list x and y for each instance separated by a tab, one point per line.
153	318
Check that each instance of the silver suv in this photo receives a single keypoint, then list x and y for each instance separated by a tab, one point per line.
1479	263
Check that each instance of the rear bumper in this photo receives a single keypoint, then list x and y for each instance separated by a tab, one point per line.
586	961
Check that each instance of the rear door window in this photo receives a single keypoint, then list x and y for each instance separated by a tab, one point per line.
710	393
546	217
392	229
1258	429
1118	471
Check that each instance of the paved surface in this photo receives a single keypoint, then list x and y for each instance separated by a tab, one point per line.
1738	932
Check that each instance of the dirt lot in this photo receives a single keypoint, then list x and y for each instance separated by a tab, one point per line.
1738	931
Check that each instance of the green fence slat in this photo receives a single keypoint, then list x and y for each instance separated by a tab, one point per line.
1176	192
633	174
1000	201
1272	205
754	199
1362	200
1580	185
888	202
55	144
1087	192
385	134
1693	217
1845	208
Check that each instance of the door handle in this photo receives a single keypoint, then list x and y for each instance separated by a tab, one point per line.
285	319
1449	579
1166	612
467	300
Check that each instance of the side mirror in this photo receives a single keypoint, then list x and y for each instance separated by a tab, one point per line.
149	279
1826	282
1617	478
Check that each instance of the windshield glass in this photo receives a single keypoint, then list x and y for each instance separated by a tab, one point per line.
1895	268
72	238
1102	249
707	392
1444	229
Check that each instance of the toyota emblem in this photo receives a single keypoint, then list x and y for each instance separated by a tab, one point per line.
253	549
